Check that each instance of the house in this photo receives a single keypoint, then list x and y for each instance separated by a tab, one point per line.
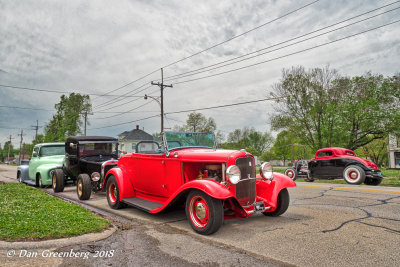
394	152
128	139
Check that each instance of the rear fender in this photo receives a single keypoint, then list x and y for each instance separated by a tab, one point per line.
269	190
124	183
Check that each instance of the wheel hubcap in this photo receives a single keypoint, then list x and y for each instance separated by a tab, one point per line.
112	193
80	187
352	174
199	211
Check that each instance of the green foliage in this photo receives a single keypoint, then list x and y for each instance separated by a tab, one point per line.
324	109
197	122
28	213
375	151
248	138
4	151
68	119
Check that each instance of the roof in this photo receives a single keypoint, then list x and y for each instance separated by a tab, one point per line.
49	144
90	138
135	134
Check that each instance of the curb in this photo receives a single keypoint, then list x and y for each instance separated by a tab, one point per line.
62	242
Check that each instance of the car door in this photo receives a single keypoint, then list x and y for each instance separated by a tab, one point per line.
34	163
323	165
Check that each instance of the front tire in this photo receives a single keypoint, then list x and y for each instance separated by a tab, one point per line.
113	194
371	181
204	213
58	181
39	181
354	175
83	187
291	173
282	204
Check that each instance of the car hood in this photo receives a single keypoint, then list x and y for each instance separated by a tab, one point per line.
208	155
52	159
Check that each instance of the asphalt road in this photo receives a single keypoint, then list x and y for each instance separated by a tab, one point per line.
325	225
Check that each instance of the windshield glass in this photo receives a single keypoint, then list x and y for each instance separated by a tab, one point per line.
180	140
97	149
52	151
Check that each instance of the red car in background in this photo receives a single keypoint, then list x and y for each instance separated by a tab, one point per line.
186	168
336	162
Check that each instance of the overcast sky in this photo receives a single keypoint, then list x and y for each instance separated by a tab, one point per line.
96	46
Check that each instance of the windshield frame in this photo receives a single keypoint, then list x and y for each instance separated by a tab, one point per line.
167	149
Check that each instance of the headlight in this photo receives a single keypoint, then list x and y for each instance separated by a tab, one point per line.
95	176
233	174
266	170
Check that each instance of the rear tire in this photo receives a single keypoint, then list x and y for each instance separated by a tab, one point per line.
113	194
282	204
204	213
19	177
354	174
83	187
371	181
58	180
291	173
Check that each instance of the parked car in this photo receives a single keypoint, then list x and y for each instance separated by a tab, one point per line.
23	171
299	169
86	160
46	157
186	168
336	162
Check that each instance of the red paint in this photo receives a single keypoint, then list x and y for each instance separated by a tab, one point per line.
344	153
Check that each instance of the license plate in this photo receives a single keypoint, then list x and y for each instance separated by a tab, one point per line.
259	206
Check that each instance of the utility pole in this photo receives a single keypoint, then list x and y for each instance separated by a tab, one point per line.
20	146
85	114
162	86
9	146
36	127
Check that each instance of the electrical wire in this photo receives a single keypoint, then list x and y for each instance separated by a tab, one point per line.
241	34
287	55
206	68
122	113
125	122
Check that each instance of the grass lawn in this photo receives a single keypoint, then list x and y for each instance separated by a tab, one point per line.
27	213
391	177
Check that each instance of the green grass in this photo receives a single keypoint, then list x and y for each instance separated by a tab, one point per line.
27	213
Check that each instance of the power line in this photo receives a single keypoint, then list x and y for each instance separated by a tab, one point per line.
125	122
26	108
290	54
237	36
59	92
197	71
135	108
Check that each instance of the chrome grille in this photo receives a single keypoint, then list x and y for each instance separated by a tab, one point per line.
245	190
246	166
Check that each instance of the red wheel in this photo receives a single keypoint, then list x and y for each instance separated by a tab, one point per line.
354	175
113	194
205	214
291	173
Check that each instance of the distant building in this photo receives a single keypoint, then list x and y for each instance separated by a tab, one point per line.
394	152
128	139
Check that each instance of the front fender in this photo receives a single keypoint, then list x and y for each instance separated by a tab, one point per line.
124	183
45	172
211	188
269	190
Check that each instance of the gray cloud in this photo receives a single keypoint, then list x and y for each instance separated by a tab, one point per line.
96	46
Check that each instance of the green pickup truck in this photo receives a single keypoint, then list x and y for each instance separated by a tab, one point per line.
46	157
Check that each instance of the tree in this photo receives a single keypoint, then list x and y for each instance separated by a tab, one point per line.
68	118
197	122
376	151
324	109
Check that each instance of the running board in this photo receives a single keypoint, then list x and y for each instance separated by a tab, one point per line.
30	182
142	204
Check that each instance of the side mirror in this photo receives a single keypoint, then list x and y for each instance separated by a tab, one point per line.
34	154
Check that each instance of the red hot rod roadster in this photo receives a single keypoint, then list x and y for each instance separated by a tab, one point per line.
188	169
